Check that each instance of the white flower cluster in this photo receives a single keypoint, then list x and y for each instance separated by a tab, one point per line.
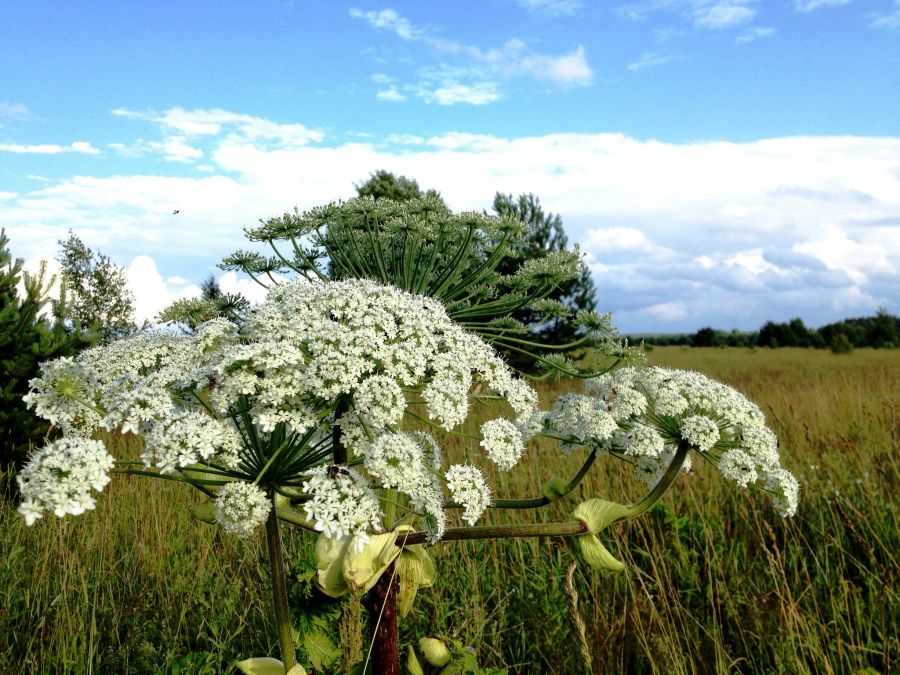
647	412
341	504
241	508
470	490
310	350
60	476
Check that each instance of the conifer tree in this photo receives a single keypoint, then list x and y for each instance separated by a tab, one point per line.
544	235
28	336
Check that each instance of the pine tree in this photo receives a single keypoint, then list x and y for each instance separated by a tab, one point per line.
545	234
27	338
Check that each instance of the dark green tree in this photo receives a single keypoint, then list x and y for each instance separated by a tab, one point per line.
707	337
32	330
544	234
100	299
210	289
385	185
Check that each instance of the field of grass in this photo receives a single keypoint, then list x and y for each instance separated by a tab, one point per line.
715	580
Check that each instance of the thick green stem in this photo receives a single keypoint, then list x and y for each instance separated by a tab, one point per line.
338	448
537	502
567	529
279	591
664	483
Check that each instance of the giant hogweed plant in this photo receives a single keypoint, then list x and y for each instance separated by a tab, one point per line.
309	412
421	247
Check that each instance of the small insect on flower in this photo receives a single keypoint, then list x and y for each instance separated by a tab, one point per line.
335	470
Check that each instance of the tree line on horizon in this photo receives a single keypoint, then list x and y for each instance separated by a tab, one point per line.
881	331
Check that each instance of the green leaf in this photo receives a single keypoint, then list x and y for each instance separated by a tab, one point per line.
205	511
266	665
363	568
595	554
330	565
413	667
320	650
598	513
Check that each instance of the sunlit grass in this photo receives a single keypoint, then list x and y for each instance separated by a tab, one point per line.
716	581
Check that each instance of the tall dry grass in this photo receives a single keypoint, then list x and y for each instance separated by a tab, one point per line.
715	580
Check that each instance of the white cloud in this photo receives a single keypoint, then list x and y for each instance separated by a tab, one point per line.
812	5
179	127
81	147
731	233
552	7
753	34
889	20
389	19
152	292
723	14
648	60
13	110
474	76
451	93
705	14
390	94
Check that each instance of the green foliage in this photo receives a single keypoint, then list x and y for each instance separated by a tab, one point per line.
385	185
211	304
32	330
881	331
210	289
100	298
841	344
193	311
543	236
422	247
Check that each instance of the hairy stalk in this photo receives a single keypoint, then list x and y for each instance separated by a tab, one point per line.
567	529
279	591
384	648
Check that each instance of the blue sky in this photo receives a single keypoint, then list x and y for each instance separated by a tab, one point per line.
720	162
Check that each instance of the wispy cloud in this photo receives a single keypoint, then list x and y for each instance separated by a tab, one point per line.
451	93
722	14
82	147
182	129
703	14
888	20
11	110
813	5
649	60
552	7
754	34
677	235
474	74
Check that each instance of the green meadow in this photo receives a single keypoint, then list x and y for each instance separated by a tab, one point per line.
715	580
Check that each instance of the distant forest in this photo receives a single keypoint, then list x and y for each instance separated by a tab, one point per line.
881	331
